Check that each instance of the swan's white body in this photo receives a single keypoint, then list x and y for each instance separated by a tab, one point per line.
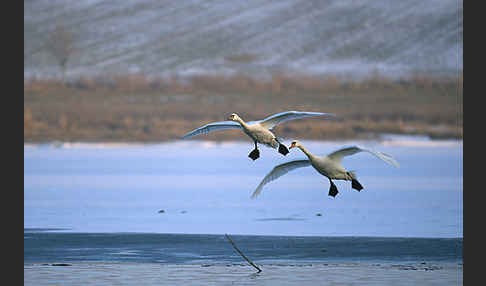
327	165
259	131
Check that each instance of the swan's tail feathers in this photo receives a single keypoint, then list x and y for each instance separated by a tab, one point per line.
351	175
333	191
356	185
282	149
280	139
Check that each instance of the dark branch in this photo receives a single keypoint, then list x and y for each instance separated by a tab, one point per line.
241	253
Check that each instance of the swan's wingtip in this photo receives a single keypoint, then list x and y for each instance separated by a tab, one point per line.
255	194
325	114
393	162
189	135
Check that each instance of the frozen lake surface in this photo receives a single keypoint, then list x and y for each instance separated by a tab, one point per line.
204	188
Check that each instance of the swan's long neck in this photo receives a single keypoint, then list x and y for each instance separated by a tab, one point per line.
306	152
242	123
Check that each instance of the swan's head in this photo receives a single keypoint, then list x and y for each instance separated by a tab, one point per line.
233	117
294	144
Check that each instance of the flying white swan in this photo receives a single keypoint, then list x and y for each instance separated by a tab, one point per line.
329	166
259	131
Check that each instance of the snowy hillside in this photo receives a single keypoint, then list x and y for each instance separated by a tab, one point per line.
255	37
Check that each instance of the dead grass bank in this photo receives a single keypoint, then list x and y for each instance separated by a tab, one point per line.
137	108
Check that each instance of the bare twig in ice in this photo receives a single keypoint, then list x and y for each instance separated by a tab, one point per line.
241	253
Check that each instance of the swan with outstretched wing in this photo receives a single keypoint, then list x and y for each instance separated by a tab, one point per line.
259	131
329	166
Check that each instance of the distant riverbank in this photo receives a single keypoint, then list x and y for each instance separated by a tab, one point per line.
139	109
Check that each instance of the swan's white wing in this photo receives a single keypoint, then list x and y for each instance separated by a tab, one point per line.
339	154
279	171
212	127
278	118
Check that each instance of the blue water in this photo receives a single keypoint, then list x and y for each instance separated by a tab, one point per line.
205	188
53	246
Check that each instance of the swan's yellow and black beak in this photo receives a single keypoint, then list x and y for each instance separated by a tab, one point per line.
231	117
292	145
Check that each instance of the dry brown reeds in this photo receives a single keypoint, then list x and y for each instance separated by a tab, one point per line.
138	108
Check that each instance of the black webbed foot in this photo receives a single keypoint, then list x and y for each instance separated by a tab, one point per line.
356	185
333	191
255	154
282	149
